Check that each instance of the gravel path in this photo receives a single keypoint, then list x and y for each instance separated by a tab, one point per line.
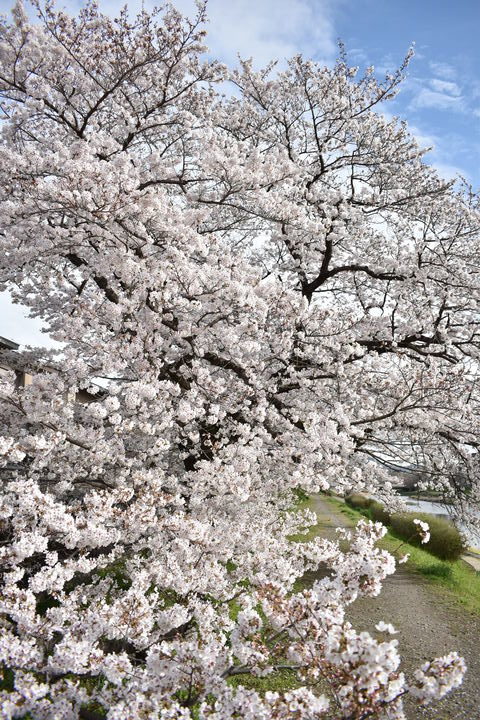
430	623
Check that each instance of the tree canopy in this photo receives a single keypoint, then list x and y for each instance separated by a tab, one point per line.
277	293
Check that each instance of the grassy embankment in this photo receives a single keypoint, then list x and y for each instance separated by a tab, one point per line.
453	577
456	577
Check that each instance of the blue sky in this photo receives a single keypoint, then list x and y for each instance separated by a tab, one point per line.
440	98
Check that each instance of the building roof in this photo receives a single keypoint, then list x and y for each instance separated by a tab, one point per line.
8	344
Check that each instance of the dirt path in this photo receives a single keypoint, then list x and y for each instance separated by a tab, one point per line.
430	624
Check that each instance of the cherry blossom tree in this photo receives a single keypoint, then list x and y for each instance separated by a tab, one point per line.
277	293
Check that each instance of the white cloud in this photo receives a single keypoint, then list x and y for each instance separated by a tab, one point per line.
424	139
357	55
269	29
443	70
445	86
450	172
426	98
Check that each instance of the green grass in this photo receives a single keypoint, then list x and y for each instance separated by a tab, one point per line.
276	681
310	532
455	577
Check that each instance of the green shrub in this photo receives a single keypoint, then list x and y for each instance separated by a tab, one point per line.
368	506
445	540
356	500
379	513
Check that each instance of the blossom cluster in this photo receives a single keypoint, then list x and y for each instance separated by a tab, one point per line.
423	530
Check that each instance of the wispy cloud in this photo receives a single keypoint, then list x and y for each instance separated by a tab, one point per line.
269	29
443	70
424	139
435	91
451	172
445	86
427	98
442	150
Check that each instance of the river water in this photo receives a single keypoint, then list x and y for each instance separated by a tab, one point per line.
436	509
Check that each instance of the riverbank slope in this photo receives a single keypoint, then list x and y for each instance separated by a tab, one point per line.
429	624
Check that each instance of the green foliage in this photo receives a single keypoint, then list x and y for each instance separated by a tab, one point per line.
445	541
437	569
358	501
6	679
117	573
233	609
378	513
93	709
300	494
309	531
369	507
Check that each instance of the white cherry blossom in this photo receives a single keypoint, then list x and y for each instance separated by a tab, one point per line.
276	294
